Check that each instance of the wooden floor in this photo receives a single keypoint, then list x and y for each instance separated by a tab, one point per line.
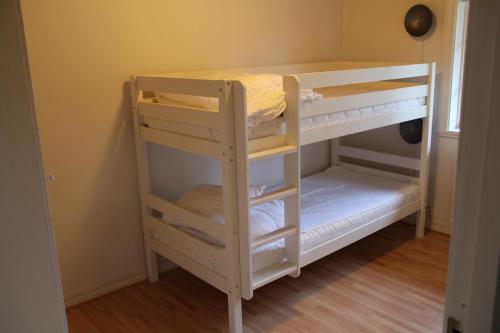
388	282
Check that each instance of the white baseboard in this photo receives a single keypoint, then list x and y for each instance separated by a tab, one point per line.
432	224
86	294
441	226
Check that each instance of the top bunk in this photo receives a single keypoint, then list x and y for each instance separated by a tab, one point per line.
320	100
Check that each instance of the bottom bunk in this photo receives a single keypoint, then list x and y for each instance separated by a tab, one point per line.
338	206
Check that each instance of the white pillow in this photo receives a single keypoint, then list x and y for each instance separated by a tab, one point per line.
255	191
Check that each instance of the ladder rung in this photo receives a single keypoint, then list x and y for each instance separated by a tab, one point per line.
273	236
283	150
272	273
275	195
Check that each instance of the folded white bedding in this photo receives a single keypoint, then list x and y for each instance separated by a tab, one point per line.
265	95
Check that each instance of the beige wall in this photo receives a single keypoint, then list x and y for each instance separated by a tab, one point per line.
374	31
82	53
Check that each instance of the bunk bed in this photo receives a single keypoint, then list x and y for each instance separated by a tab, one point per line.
238	238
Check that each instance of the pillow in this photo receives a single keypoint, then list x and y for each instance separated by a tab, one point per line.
255	191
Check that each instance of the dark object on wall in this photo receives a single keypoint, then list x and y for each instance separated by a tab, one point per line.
418	20
411	131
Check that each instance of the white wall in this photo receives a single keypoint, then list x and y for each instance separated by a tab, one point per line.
83	52
374	31
30	292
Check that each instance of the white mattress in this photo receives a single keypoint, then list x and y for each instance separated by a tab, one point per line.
333	202
356	114
267	128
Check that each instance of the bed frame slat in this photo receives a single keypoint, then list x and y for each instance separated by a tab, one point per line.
275	195
181	239
207	275
207	88
383	158
266	143
342	103
273	273
182	142
181	114
381	173
185	217
362	75
274	236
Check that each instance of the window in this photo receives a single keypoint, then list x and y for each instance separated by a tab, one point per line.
461	20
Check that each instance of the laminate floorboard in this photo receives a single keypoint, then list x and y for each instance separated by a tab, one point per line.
387	282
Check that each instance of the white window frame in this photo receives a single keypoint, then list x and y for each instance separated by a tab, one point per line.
459	33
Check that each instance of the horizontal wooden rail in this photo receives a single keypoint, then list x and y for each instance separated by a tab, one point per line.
342	103
380	173
283	150
185	217
383	158
199	248
271	196
182	260
183	142
274	236
272	273
181	114
265	143
362	75
333	131
196	87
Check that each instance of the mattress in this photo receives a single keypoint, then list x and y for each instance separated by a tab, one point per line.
269	127
346	116
333	202
266	128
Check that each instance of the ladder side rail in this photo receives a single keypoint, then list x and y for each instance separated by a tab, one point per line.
291	164
144	181
425	149
230	200
242	167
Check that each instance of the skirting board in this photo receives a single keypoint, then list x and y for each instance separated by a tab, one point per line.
441	226
432	224
87	294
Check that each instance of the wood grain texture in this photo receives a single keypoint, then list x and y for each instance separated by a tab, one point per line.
387	282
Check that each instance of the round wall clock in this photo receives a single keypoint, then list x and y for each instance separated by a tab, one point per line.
411	131
418	20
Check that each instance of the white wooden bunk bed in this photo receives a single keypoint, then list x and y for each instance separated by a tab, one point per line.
238	243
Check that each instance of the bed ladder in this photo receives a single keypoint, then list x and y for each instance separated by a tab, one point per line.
289	193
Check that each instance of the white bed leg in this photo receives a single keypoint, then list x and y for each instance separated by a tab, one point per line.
420	225
151	265
235	315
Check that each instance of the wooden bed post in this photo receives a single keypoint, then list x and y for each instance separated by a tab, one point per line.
231	221
291	165
144	183
242	167
425	154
